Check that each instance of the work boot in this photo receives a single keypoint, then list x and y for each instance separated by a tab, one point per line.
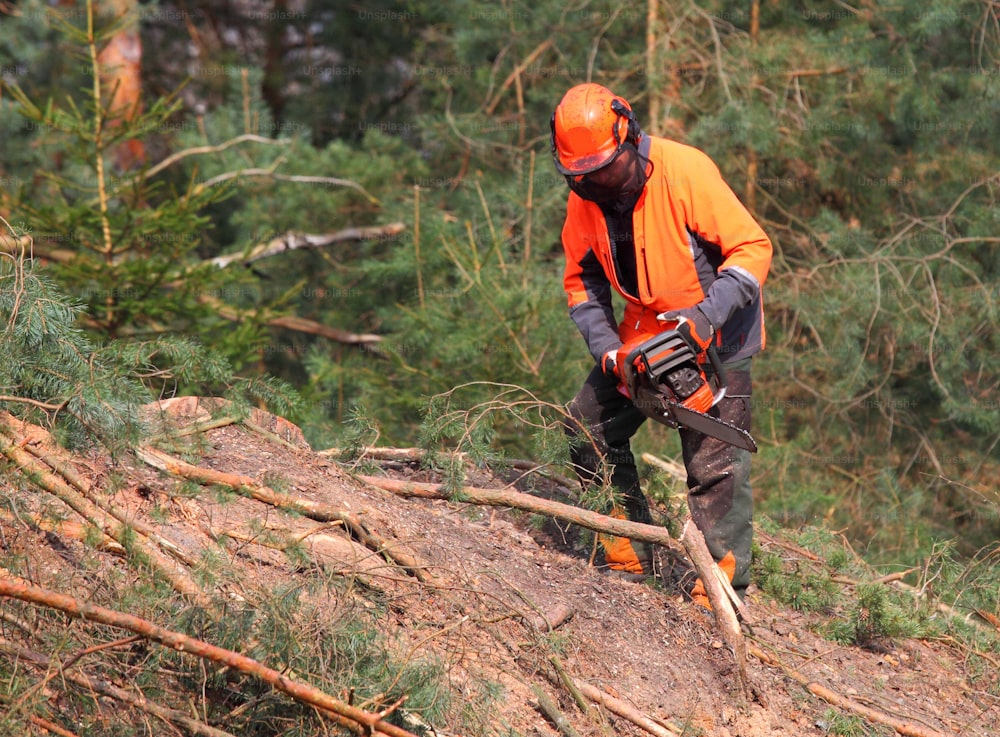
627	559
699	595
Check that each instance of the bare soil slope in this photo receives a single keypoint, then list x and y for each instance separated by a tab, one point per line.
478	589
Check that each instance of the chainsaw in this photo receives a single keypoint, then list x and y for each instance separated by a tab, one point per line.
662	375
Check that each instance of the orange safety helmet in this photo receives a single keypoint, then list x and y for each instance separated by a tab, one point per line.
589	126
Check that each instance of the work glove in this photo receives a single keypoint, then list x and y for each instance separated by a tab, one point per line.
693	326
611	369
609	364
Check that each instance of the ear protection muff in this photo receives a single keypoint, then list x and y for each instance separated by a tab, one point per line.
634	131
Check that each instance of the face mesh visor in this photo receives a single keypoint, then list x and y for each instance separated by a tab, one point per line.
622	177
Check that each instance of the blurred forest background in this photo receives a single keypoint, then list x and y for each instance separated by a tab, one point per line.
358	199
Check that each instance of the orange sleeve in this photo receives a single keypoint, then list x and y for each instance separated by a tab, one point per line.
716	214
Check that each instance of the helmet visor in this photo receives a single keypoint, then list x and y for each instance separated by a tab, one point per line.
588	164
623	175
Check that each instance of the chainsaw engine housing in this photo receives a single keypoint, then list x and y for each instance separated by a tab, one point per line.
662	376
665	364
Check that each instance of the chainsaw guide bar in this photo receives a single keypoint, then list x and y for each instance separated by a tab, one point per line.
678	414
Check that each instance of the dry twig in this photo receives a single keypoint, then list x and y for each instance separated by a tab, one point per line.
876	716
314	510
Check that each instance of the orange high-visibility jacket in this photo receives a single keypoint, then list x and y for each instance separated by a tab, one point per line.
695	244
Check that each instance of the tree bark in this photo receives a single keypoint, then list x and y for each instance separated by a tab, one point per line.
120	64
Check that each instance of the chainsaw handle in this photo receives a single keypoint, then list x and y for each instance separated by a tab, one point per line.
720	373
629	377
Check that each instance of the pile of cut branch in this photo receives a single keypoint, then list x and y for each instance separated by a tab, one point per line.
343	543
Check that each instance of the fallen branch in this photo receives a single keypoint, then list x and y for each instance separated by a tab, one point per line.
566	512
625	711
64	528
564	679
306	507
200	414
876	716
528	503
720	591
196	427
50	727
55	458
418	455
296	241
95	685
548	707
41	476
552	619
362	721
725	617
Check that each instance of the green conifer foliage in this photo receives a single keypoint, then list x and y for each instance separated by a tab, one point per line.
864	139
130	244
54	374
50	369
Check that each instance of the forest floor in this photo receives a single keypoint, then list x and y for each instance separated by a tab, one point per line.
496	596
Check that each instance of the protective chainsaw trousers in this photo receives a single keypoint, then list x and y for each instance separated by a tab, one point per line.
718	474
